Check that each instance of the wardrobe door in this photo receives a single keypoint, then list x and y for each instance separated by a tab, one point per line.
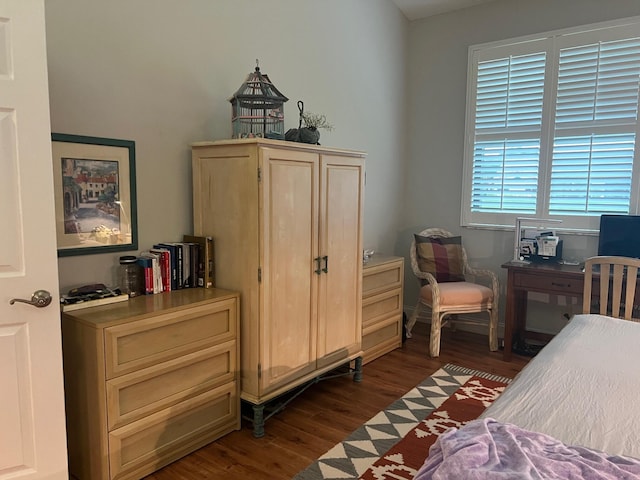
289	213
340	299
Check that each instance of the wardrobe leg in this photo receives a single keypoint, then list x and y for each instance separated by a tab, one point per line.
357	375
258	421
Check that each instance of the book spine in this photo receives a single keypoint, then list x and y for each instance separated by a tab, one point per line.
179	268
194	264
165	268
186	265
205	276
145	263
173	260
200	247
209	270
157	275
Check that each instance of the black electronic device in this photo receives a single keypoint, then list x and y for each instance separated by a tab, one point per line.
619	236
87	289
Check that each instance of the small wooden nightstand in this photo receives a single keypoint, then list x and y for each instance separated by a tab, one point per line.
382	287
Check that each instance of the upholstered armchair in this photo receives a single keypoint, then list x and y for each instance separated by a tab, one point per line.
448	286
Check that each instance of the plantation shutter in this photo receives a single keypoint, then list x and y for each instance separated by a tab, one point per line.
595	128
552	126
508	120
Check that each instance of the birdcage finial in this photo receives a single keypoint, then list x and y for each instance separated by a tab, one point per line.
257	65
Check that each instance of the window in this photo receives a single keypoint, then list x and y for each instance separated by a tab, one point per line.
551	127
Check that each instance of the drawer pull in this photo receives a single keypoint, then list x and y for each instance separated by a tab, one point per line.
561	285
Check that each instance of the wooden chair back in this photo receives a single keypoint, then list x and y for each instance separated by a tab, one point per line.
618	277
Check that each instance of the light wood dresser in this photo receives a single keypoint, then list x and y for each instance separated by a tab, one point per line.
149	380
382	297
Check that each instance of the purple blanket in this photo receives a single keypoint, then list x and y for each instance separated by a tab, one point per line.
487	449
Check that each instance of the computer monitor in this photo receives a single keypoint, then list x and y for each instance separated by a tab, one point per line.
619	235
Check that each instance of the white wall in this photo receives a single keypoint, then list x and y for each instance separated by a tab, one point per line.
160	72
438	52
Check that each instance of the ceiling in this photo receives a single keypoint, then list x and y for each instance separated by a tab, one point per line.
416	9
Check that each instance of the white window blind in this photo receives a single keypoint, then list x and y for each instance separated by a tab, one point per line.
509	98
551	127
595	125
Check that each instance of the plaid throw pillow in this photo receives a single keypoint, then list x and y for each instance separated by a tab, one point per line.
442	257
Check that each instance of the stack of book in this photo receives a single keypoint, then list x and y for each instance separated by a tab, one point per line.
171	266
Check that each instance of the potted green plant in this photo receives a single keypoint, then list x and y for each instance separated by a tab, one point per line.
310	132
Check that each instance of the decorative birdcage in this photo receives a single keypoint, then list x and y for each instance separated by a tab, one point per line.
258	108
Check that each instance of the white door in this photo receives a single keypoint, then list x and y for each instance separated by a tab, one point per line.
32	425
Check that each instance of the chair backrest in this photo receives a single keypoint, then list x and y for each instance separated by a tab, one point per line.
432	232
618	276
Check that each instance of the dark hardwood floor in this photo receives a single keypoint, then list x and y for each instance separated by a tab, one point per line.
330	410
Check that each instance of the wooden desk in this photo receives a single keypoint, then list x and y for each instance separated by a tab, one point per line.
550	278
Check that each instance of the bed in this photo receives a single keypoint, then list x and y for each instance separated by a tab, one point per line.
572	412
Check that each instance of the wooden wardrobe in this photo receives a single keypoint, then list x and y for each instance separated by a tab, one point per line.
286	219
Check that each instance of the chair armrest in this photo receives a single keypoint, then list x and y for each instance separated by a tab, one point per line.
432	282
481	272
420	275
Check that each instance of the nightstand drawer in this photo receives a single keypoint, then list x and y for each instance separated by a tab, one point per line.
138	394
381	306
381	277
384	335
147	342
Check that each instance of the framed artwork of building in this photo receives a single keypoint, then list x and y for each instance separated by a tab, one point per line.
95	194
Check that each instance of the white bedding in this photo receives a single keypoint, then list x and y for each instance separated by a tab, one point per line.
583	388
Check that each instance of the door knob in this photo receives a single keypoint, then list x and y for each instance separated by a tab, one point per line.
40	298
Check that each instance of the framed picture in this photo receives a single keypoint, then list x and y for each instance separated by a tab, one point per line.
95	194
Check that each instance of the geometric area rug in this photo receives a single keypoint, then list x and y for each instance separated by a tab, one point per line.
395	442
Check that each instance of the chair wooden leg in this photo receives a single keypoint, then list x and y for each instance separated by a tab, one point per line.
434	338
414	317
493	329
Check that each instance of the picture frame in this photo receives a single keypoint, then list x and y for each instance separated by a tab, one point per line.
95	194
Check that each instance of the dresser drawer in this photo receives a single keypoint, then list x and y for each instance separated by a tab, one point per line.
144	446
379	307
387	333
549	284
135	395
381	277
156	339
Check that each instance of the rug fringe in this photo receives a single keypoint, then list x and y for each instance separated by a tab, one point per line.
450	367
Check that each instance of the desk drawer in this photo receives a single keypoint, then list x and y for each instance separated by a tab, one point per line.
558	284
